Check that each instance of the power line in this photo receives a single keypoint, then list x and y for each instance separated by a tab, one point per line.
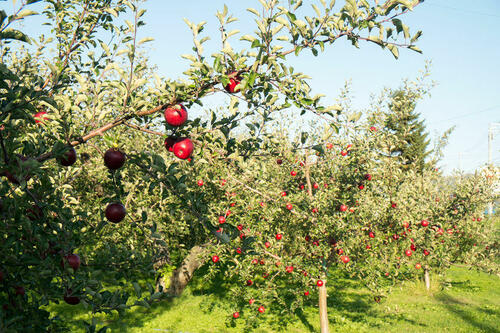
471	113
462	10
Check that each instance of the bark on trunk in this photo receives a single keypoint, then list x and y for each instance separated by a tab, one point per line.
427	278
183	274
323	309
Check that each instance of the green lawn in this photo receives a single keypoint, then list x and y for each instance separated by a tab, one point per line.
464	301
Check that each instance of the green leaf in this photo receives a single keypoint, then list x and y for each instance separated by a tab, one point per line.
14	34
394	50
26	12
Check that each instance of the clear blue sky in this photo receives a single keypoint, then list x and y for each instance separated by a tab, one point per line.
461	38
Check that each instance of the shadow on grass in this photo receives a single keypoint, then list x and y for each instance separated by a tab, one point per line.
457	307
356	303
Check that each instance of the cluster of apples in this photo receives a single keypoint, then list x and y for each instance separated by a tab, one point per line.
182	147
114	159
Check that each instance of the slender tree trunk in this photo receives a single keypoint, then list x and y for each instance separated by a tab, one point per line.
183	274
427	279
323	309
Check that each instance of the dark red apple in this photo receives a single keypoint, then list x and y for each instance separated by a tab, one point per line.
114	159
70	299
73	261
176	115
183	148
1	276
249	282
34	213
170	142
19	290
368	176
68	158
115	212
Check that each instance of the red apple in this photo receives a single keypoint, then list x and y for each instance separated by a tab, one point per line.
293	173
373	129
426	253
261	309
251	301
408	253
343	208
319	283
233	85
249	282
267	244
345	259
283	194
279	162
215	259
176	115
222	219
316	186
424	223
289	206
236	315
306	293
279	236
343	153
371	235
200	183
238	250
314	210
183	148
329	145
289	269
68	158
361	186
40	117
114	159
418	266
368	176
115	212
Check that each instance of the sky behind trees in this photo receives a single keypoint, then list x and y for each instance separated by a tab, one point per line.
461	39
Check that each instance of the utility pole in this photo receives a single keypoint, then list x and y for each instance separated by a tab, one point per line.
491	130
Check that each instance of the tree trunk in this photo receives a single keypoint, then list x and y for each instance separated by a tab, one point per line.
323	309
182	275
427	278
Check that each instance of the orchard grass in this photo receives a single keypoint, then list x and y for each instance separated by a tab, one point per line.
463	300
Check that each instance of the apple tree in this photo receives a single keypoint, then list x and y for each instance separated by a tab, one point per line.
82	175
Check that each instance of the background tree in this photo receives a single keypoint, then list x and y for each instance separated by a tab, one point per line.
410	139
